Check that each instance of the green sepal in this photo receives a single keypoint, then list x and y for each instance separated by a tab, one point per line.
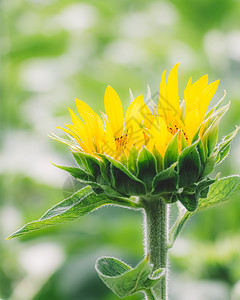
92	164
105	168
79	204
209	165
201	153
123	159
125	183
184	143
222	155
171	154
188	166
224	189
189	199
147	167
159	159
210	137
196	136
123	180
70	143
216	115
224	146
165	182
203	186
80	160
124	280
170	198
77	173
132	160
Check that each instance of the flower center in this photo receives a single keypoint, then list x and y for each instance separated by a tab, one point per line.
121	143
174	129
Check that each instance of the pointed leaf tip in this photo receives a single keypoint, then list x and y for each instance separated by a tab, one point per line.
80	203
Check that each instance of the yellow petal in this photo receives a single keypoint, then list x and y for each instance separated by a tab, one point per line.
206	97
83	131
135	137
109	147
75	136
163	102
136	112
92	120
148	117
194	93
192	122
75	120
189	103
83	107
114	111
200	84
158	135
172	90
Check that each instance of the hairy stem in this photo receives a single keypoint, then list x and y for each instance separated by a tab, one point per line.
156	235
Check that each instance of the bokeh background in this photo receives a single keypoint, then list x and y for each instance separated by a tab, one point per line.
53	51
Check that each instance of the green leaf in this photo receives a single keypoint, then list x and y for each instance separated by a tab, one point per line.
227	188
124	280
77	173
79	204
147	167
165	182
132	160
154	278
107	190
188	166
120	278
171	154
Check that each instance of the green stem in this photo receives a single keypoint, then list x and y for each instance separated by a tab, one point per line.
177	227
156	235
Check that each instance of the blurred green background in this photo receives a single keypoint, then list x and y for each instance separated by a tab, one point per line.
52	51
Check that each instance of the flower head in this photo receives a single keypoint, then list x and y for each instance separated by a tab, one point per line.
167	150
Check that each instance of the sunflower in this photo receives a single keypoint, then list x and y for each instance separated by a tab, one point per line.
115	134
165	149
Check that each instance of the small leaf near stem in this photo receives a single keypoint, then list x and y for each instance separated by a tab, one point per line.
150	295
